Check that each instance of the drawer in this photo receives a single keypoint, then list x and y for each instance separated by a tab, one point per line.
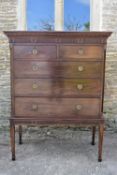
57	87
58	69
35	52
80	87
77	52
47	107
80	69
34	69
35	87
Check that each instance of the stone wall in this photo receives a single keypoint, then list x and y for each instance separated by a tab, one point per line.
109	23
107	12
8	21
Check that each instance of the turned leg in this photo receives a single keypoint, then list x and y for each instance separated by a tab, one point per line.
101	135
93	135
12	138
20	134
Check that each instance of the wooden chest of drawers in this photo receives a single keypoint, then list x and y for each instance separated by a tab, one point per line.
57	78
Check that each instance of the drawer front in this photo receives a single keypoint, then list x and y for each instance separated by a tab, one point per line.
81	69
77	52
80	87
58	69
47	107
35	69
35	52
57	87
35	87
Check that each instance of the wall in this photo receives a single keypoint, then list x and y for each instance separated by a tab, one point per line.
104	18
8	21
12	17
109	22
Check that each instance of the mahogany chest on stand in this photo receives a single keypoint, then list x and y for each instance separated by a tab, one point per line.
57	78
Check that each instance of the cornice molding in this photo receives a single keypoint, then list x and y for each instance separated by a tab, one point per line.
58	37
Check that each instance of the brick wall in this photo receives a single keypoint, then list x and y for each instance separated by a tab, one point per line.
8	21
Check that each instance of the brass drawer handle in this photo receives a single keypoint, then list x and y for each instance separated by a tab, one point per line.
35	67
34	51
79	86
78	107
80	68
34	107
35	86
80	51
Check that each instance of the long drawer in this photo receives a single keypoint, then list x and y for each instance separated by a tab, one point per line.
47	107
58	69
69	52
42	52
57	87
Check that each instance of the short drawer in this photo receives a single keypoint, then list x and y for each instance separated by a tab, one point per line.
58	87
77	52
34	69
58	69
35	87
35	52
47	107
81	69
80	87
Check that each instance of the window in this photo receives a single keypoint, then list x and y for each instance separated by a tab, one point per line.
40	15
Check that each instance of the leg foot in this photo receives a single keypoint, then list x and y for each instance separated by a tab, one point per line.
93	135
13	159
20	135
12	138
99	160
101	135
